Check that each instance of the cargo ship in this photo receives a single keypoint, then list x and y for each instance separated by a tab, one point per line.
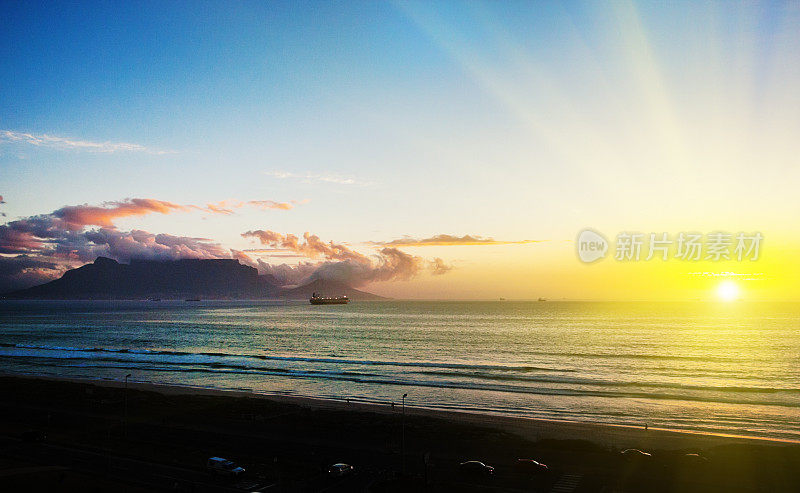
322	300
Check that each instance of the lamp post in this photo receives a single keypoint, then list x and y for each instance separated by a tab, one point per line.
125	420
403	438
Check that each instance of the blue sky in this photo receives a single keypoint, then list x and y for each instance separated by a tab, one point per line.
513	120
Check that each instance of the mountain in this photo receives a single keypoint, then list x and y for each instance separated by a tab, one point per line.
174	279
324	287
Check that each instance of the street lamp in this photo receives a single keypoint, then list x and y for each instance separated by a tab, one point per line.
126	402
403	438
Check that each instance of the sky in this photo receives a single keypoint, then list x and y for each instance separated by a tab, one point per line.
442	150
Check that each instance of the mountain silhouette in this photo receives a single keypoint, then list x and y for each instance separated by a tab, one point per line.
106	278
174	279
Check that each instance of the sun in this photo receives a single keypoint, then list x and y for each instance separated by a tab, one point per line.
728	291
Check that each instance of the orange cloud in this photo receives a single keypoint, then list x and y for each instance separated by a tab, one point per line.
78	216
312	246
452	240
227	206
439	267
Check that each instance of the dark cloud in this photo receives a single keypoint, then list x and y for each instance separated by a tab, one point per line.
23	271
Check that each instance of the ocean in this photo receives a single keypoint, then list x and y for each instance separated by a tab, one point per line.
707	367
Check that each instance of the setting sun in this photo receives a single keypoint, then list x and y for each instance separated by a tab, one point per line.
728	291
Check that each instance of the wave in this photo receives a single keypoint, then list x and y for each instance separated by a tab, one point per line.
503	378
615	383
306	359
655	357
470	386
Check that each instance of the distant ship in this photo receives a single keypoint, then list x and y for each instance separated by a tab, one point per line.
542	299
321	300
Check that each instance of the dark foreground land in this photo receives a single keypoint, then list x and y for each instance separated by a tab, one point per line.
73	436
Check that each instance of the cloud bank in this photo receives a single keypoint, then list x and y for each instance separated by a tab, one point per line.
339	262
38	248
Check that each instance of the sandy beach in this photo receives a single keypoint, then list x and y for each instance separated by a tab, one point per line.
288	441
603	434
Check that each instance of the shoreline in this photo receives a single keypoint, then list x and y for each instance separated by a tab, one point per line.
604	434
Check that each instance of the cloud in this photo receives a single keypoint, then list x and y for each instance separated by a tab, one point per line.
15	265
311	246
272	252
38	248
339	262
452	240
137	244
65	143
309	177
78	216
76	234
227	206
438	267
287	275
44	246
48	235
75	217
24	271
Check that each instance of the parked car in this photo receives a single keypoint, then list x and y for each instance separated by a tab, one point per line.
694	459
32	436
530	466
475	468
635	454
225	467
340	469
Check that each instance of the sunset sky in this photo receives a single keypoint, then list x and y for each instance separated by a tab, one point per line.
497	131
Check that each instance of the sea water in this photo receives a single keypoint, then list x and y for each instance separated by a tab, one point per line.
712	367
